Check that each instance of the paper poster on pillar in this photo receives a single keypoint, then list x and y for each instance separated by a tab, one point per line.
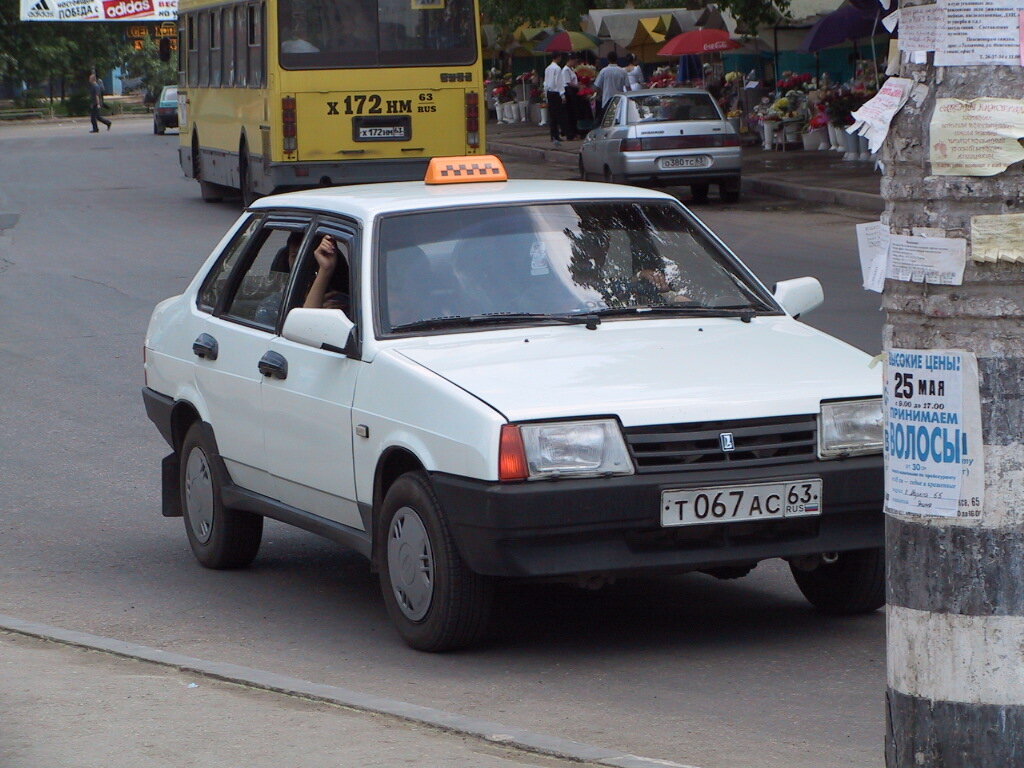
934	453
978	137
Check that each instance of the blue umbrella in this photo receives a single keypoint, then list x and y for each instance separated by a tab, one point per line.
847	23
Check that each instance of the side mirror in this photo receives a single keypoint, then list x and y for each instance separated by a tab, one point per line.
799	295
328	329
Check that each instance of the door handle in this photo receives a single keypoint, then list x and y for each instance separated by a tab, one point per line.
273	365
205	346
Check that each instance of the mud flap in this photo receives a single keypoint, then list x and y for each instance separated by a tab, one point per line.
169	494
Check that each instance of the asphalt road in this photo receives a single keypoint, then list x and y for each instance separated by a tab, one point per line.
717	674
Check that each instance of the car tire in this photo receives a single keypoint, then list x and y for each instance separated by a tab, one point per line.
612	178
220	537
158	128
855	583
699	192
729	191
434	600
583	170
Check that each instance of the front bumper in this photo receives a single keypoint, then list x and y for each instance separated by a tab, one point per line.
612	525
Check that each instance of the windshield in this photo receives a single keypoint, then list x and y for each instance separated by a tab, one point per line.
671	107
319	34
554	259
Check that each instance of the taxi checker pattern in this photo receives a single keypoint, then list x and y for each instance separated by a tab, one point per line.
452	170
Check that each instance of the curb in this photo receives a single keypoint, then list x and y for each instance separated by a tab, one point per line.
75	120
751	183
495	733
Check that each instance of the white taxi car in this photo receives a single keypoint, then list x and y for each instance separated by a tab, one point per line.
527	379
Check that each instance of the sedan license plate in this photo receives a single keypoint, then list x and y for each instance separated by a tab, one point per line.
694	161
738	503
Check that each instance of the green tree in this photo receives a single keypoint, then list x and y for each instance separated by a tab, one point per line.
145	63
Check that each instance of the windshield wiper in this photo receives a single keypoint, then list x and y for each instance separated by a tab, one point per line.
590	320
696	310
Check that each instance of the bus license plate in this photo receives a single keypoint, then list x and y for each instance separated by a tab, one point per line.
738	503
381	128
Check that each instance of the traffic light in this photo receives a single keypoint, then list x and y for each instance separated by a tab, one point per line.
165	49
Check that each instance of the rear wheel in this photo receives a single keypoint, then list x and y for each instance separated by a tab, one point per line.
219	537
854	583
211	193
699	192
729	191
583	171
158	127
611	178
246	183
434	600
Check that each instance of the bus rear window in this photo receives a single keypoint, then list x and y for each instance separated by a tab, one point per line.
328	34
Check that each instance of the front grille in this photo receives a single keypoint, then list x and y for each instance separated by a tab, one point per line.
698	447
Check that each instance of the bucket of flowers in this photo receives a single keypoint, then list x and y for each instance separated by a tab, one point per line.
585	93
663	77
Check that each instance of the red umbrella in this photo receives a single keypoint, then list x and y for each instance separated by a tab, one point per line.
698	41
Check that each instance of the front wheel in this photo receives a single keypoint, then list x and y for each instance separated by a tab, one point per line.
434	600
219	537
854	583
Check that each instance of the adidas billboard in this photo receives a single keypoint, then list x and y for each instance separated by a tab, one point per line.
99	10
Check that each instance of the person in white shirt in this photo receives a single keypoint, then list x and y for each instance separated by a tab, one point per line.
611	80
572	86
635	72
554	89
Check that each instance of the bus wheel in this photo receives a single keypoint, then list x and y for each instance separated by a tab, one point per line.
211	193
246	184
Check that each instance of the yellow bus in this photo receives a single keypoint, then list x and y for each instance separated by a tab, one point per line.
283	94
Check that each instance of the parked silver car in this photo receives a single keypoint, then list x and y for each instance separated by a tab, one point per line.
665	136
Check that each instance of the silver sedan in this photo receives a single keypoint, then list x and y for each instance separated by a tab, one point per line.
665	136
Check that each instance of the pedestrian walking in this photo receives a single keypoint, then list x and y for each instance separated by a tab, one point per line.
571	84
611	80
95	102
555	91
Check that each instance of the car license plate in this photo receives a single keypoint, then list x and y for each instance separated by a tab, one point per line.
694	161
738	503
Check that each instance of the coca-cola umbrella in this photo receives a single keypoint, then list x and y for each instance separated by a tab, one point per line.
698	41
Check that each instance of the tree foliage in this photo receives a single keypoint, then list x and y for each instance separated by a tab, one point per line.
145	63
753	14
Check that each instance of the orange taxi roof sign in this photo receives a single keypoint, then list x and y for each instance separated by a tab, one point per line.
461	170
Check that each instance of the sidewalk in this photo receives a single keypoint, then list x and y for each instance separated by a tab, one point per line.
74	708
821	177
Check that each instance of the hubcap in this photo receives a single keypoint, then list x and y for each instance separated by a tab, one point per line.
410	564
199	495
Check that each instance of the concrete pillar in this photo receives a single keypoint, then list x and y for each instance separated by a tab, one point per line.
955	696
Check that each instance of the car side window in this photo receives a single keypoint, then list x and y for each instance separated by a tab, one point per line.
259	295
611	113
216	282
337	291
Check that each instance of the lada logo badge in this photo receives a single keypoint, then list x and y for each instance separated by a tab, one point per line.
727	442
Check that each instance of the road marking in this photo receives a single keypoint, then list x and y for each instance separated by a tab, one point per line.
495	733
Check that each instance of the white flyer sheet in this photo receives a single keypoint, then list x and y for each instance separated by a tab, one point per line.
938	260
873	247
998	237
934	459
921	27
873	118
978	32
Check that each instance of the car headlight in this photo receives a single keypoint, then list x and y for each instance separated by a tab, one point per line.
850	428
574	449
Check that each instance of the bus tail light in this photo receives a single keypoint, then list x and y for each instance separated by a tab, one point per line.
288	118
473	119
